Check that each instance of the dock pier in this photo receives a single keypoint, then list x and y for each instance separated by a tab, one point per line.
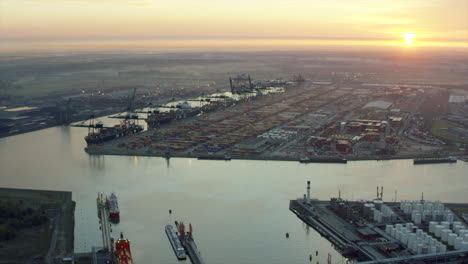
104	221
189	244
357	236
193	252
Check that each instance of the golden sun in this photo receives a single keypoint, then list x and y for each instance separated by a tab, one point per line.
409	36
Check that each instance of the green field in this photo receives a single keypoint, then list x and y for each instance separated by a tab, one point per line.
440	129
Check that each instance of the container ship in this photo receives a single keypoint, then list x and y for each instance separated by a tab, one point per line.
323	160
123	254
102	134
175	243
114	213
157	118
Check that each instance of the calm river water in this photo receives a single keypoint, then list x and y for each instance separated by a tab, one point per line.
239	209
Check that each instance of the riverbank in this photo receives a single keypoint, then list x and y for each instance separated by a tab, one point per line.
120	152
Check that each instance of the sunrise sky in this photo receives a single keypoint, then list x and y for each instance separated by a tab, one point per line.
440	23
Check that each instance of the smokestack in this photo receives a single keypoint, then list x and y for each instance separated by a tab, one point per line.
308	191
230	84
381	192
377	192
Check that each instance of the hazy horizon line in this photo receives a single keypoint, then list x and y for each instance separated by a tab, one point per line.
223	44
220	37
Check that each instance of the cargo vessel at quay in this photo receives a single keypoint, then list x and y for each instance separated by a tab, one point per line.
176	244
156	118
123	254
98	135
434	160
114	212
322	160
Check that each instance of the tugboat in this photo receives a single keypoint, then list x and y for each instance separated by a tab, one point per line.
122	250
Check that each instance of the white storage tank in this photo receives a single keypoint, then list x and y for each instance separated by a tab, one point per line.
432	249
419	207
427	216
402	204
441	248
429	206
465	237
388	229
417	219
438	230
420	248
464	245
449	217
444	234
398	235
419	232
410	243
461	232
451	239
438	217
376	213
432	225
411	239
378	204
440	207
458	243
367	209
425	237
425	249
414	247
404	238
457	228
408	226
446	224
407	209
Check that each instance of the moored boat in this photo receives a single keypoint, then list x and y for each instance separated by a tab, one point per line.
176	244
114	212
123	254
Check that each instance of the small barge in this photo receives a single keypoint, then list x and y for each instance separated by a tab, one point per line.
175	243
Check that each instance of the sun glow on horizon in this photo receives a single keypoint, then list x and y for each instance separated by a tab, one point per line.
409	36
49	24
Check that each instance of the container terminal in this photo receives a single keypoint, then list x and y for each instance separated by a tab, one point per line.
303	121
375	231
